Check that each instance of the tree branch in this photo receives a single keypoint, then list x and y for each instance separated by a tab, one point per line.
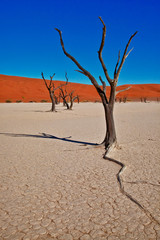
76	97
63	84
63	95
81	72
103	84
45	81
123	90
85	72
66	77
71	93
115	71
100	53
125	55
128	53
51	84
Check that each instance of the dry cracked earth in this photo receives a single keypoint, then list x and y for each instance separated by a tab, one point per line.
58	186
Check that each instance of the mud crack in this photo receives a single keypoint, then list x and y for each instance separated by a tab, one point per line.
144	182
121	187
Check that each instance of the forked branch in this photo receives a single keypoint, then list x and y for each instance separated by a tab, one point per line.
128	53
50	84
125	55
100	53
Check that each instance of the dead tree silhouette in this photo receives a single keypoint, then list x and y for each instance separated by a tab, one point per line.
108	103
51	88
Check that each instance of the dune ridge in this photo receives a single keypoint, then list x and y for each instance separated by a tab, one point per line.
25	89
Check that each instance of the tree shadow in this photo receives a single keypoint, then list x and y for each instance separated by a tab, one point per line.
48	136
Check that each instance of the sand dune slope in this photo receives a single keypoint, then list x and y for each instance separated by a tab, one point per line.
29	89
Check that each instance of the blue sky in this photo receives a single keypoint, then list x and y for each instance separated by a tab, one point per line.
29	44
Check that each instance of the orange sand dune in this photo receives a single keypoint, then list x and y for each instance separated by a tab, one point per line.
32	89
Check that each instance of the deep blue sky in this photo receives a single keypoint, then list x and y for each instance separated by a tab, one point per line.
29	44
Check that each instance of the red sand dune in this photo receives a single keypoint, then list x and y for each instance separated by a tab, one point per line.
32	89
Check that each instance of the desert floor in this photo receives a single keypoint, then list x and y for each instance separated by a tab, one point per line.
55	184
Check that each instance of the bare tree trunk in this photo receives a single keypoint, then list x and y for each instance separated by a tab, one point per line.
72	101
53	108
110	136
51	88
67	105
71	104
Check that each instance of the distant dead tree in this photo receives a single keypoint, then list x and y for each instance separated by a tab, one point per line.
51	88
143	99
64	95
108	104
72	99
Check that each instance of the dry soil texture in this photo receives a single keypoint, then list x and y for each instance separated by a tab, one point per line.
55	184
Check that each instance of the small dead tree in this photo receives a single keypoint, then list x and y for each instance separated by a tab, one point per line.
108	104
72	99
64	95
51	88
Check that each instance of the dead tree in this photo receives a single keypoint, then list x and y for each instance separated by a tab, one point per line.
64	95
51	88
108	104
72	99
